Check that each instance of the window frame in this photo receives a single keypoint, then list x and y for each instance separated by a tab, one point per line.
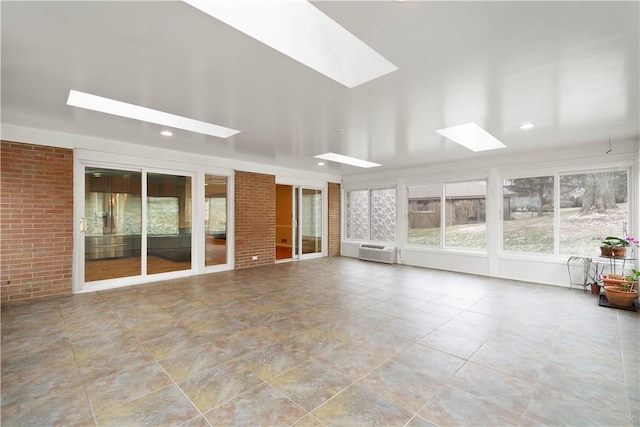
369	213
442	246
557	173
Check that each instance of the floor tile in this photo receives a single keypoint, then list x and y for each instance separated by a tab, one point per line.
308	421
359	406
353	360
513	364
403	385
31	383
438	366
216	386
126	385
69	408
310	385
168	406
455	407
186	363
549	404
493	386
268	344
262	405
273	360
451	344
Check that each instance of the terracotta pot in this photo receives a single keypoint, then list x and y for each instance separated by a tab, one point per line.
606	250
619	251
611	281
595	289
616	296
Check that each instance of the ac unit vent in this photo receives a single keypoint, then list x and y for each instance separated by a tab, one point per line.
377	253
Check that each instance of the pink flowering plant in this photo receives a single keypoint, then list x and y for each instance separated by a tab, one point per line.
632	241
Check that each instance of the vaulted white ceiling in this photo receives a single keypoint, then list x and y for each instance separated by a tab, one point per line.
569	67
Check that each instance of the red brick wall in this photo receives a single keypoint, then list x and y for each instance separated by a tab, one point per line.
36	221
255	219
334	219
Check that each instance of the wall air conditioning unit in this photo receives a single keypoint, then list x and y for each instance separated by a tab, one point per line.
377	253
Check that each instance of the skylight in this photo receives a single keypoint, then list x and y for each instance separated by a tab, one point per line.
339	158
471	136
131	111
301	31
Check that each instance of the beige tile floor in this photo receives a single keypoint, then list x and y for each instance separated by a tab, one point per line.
331	341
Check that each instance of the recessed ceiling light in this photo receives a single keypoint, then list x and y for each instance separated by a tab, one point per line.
321	163
131	111
526	126
471	136
301	31
339	158
166	133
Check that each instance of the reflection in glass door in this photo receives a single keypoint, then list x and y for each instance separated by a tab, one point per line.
113	224
168	223
113	218
310	224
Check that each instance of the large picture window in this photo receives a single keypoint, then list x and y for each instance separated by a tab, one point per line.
588	206
591	206
528	214
371	215
464	213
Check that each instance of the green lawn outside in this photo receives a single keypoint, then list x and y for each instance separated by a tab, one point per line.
580	235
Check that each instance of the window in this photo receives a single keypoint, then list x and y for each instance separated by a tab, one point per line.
383	215
357	215
371	215
528	214
464	215
424	215
465	210
592	206
589	206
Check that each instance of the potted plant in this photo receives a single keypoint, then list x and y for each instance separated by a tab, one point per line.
616	246
606	247
620	290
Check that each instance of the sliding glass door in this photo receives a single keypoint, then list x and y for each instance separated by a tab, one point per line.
299	225
311	221
168	223
133	229
112	224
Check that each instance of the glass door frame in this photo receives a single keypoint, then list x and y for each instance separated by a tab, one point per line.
79	284
300	223
199	229
297	187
